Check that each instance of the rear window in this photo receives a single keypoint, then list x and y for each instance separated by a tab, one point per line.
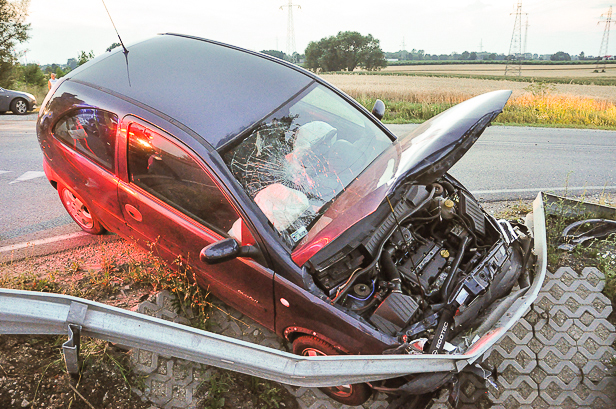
91	132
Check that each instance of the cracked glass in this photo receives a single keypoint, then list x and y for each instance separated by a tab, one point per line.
296	162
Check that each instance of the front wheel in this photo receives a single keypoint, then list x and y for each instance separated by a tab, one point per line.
354	394
79	212
19	106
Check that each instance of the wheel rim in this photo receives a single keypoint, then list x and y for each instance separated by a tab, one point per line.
343	391
77	209
21	106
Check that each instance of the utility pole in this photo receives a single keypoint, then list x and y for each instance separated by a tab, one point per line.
290	28
514	59
403	53
607	20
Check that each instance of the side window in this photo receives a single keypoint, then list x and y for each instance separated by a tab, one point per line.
91	132
168	172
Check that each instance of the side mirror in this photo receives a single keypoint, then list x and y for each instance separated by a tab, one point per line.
226	250
378	110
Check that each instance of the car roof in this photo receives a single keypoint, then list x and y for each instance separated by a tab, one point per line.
214	89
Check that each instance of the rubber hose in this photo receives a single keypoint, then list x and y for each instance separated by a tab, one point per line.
448	187
390	270
446	288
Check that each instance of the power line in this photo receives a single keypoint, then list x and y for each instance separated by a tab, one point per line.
290	27
604	41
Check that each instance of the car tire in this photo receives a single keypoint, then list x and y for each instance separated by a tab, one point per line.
19	106
353	395
79	212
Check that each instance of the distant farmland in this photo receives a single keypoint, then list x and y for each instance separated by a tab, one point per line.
534	71
448	90
414	98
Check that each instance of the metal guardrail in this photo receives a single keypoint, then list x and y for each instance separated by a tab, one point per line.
26	312
564	206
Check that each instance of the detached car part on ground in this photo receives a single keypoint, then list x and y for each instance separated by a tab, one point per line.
16	101
292	203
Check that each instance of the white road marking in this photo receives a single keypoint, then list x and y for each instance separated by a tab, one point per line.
43	241
31	174
5	171
542	189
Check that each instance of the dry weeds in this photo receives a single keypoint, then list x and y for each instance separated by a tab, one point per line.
435	90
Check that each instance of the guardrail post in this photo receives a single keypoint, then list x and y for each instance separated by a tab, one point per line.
70	349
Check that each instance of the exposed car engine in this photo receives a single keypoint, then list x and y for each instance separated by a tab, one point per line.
431	265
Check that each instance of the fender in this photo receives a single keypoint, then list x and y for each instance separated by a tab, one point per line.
290	333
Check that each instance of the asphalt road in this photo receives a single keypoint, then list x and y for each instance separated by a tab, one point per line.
506	163
517	162
30	210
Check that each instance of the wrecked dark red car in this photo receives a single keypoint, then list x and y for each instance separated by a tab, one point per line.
292	203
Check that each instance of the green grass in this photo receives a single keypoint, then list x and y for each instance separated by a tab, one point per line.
401	112
546	112
151	274
231	389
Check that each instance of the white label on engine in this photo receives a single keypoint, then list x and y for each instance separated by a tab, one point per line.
299	234
462	295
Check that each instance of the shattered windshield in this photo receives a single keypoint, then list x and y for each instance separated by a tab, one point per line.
300	158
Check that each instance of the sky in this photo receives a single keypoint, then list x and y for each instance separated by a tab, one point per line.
60	29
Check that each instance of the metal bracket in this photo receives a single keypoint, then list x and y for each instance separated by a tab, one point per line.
70	349
485	374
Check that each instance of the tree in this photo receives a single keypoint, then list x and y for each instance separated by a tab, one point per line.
472	56
61	73
276	53
560	56
51	68
112	46
32	74
582	55
83	57
345	51
323	55
465	55
71	63
13	31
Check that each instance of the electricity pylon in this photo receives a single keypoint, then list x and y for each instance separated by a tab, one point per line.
525	35
604	42
514	59
290	27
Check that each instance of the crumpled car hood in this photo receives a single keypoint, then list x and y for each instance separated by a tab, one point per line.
421	156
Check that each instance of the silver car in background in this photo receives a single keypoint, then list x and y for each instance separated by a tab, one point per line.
16	101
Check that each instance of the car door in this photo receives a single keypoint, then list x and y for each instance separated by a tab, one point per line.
85	161
171	200
5	100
